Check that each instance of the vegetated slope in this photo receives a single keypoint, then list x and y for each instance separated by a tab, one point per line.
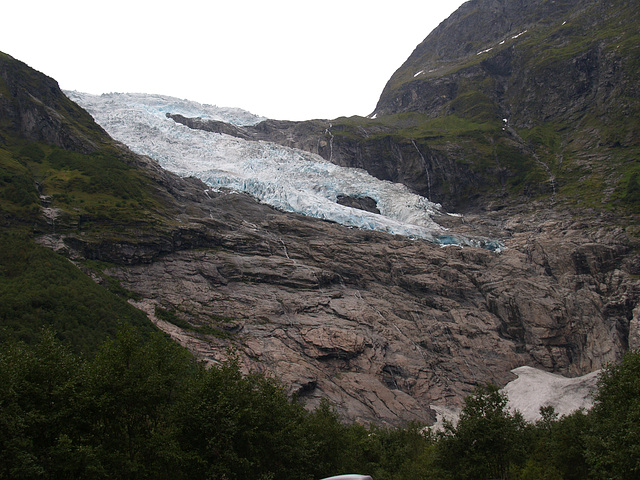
59	172
63	179
532	100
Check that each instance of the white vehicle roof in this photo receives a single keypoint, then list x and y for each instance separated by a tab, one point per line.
350	476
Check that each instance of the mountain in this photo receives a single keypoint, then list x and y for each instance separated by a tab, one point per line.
505	102
383	325
285	178
548	90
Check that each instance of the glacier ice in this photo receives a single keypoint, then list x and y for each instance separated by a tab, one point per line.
288	179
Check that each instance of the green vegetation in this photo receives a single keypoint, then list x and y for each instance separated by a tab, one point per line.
143	408
491	442
18	193
488	441
41	288
88	193
571	99
613	441
413	125
84	189
48	190
171	317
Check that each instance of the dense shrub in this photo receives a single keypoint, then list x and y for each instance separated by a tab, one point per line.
142	407
40	288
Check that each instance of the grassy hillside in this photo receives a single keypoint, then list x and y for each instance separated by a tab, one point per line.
39	288
564	77
77	190
65	177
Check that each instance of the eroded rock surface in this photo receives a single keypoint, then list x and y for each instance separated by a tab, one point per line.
382	325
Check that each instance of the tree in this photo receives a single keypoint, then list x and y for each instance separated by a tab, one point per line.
557	447
402	452
238	426
328	441
40	436
131	386
487	441
613	442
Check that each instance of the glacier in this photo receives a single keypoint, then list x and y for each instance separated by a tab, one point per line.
288	179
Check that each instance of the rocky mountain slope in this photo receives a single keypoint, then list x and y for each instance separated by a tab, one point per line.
382	325
504	102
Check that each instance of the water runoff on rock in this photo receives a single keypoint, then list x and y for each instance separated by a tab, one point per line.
288	179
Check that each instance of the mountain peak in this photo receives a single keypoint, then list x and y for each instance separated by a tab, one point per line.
486	28
33	106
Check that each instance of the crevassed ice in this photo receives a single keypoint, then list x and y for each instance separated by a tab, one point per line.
285	178
160	104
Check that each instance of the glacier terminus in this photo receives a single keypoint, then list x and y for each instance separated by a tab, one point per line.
285	178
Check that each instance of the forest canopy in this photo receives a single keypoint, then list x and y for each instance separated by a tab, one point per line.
142	407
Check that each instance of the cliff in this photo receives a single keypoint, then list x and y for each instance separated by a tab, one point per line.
505	102
383	326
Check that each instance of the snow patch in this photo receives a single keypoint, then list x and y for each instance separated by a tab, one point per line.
491	48
519	34
534	389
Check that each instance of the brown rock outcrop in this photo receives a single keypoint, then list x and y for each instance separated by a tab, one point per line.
383	326
386	326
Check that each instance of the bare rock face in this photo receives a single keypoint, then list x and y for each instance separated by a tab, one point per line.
383	326
634	330
367	204
386	326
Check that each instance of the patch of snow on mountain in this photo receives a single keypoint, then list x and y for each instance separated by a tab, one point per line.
536	388
285	178
484	51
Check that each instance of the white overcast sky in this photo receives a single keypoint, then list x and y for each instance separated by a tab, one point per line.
283	59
